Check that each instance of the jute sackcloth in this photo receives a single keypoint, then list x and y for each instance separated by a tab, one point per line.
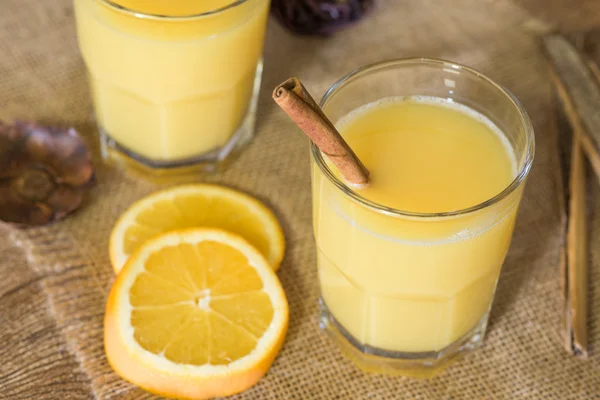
54	280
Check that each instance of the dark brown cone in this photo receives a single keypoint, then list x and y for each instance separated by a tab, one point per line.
45	173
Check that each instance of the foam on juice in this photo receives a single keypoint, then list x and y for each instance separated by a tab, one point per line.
441	157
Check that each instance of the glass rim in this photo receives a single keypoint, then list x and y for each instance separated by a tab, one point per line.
142	15
380	208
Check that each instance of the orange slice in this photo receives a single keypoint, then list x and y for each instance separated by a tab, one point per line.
191	206
195	314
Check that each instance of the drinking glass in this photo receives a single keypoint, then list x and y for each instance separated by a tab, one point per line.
404	292
173	93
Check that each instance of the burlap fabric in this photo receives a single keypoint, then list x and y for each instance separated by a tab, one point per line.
54	280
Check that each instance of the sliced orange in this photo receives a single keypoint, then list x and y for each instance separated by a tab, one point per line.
195	314
200	205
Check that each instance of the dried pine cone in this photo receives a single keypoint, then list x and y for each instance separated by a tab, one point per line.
44	173
319	17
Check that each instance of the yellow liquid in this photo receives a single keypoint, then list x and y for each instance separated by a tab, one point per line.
416	284
170	90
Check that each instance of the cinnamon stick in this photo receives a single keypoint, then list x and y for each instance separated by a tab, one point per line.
594	159
295	100
576	123
575	252
577	85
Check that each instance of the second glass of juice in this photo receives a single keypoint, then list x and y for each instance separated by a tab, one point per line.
174	83
408	267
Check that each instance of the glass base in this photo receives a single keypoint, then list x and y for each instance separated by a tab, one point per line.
421	365
189	168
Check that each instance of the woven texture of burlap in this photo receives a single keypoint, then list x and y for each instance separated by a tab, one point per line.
54	280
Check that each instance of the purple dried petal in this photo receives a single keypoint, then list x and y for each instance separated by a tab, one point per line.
319	17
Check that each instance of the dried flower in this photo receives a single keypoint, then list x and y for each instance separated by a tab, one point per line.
45	173
319	17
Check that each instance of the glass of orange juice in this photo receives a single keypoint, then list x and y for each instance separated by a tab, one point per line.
174	83
408	266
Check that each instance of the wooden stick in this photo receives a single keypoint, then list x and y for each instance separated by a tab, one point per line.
574	263
575	81
575	253
295	100
575	121
595	69
562	176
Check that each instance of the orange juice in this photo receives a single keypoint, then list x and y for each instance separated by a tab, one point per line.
167	84
416	282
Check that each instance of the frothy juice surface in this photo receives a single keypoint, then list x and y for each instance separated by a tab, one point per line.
415	284
427	156
170	89
173	7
